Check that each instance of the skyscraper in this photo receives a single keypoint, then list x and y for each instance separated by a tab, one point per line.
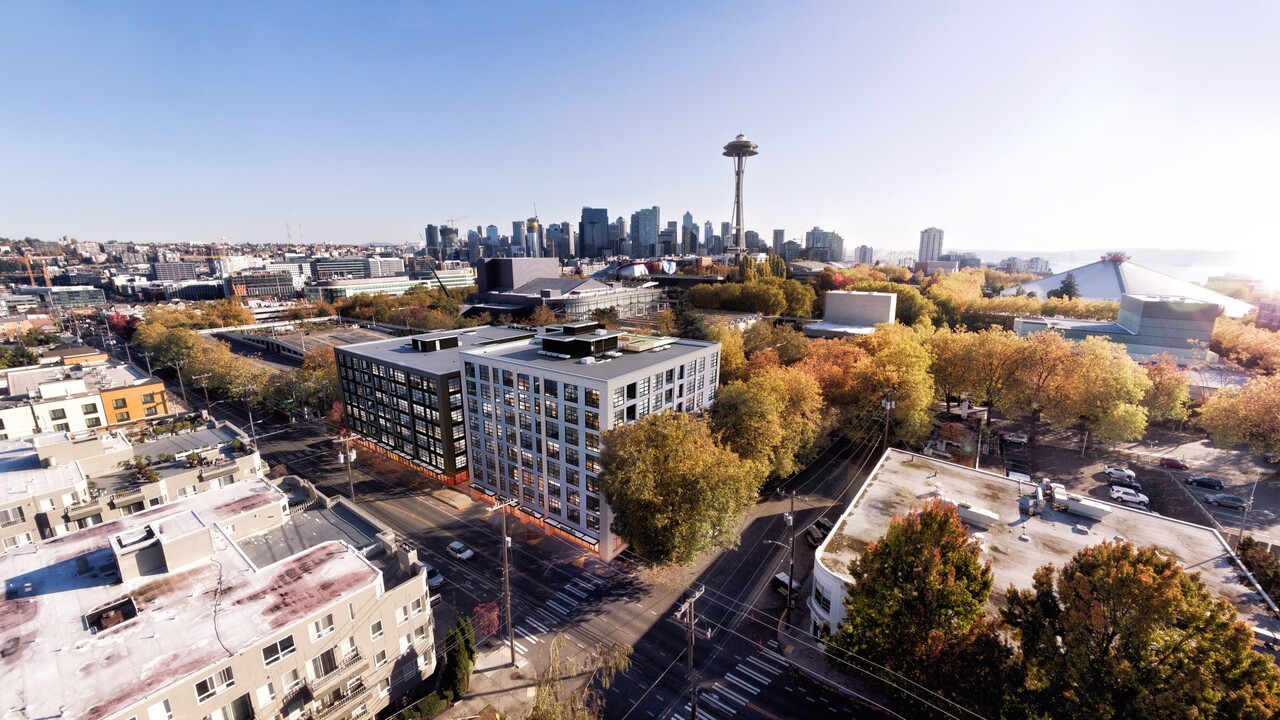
593	233
824	245
779	237
708	232
930	245
517	237
863	255
433	240
532	238
644	231
617	234
688	234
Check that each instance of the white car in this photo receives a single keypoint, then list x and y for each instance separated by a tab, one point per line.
1120	473
1016	438
460	551
1125	495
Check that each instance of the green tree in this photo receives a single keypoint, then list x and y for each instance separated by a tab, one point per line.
1125	632
692	325
674	490
916	606
1169	395
459	660
913	307
607	316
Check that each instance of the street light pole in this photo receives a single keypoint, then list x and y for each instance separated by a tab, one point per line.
506	573
253	432
147	355
1244	514
790	519
887	403
177	365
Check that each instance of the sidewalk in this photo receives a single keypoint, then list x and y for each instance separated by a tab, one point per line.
803	652
496	686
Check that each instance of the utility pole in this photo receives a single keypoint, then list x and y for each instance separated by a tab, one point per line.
204	386
687	607
349	457
177	365
253	432
1244	514
506	572
790	519
887	403
147	355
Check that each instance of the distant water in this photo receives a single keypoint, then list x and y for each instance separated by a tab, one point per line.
1195	273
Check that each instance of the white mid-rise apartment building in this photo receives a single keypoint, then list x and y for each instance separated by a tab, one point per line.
537	407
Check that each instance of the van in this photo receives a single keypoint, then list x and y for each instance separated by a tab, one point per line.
781	582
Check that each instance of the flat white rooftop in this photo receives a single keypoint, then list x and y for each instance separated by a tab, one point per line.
51	666
23	477
904	482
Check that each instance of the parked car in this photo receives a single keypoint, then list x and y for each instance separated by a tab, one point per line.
1227	501
1205	481
434	578
1016	438
782	582
460	551
1174	463
814	536
1117	471
825	525
1133	485
1125	495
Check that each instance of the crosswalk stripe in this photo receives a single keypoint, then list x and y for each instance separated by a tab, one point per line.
555	606
592	585
526	634
536	624
755	675
714	703
547	616
741	683
721	687
756	661
575	591
521	649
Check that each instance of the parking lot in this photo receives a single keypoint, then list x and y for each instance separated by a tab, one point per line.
1057	456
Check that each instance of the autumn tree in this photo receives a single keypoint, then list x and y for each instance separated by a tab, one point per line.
1104	393
733	361
1245	415
916	607
899	369
831	363
667	322
1169	395
675	491
1125	632
912	306
786	340
542	315
318	377
775	418
1041	372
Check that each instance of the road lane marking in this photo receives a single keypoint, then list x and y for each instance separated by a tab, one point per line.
755	660
755	675
536	624
742	683
720	687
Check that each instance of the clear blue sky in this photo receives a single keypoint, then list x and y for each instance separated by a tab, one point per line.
1042	126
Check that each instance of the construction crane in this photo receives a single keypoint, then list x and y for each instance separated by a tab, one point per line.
453	221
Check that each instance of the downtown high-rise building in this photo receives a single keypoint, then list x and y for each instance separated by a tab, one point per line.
593	233
617	235
708	235
930	245
517	237
533	246
688	235
644	231
779	238
824	245
863	255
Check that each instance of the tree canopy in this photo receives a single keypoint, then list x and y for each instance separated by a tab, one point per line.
1124	632
1245	415
774	418
674	490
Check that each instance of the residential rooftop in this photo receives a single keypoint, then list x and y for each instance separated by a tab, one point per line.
23	474
1015	544
25	383
57	661
402	352
551	351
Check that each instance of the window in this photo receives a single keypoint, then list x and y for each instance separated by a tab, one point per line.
238	709
416	606
824	601
152	411
57	414
380	659
592	398
571	393
266	694
384	687
122	417
290	679
420	633
62	427
375	630
149	398
160	711
119	404
214	684
323	664
322	627
277	650
89	408
93	422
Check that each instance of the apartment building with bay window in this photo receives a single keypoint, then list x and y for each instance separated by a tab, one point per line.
222	606
537	408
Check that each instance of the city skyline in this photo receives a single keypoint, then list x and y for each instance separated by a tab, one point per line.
1005	125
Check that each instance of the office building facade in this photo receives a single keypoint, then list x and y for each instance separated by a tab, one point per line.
593	233
537	408
863	255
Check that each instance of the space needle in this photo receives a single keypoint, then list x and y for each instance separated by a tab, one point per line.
740	149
